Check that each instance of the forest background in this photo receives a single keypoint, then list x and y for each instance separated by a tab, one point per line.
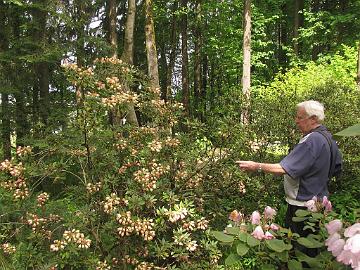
121	122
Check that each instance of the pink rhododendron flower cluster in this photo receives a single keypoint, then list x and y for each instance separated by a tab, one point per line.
264	223
346	247
317	204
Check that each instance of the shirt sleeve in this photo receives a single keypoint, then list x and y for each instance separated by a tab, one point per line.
298	161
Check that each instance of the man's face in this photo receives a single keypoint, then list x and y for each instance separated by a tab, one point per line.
303	121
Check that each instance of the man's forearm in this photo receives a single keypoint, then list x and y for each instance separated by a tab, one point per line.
265	167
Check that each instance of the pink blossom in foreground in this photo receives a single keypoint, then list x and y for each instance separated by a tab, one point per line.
347	257
258	233
333	226
269	212
336	247
352	230
353	244
334	237
255	218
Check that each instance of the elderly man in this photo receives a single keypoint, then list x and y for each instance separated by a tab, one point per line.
308	168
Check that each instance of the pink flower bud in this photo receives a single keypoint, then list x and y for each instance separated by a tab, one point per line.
255	218
268	236
311	205
269	212
258	233
326	204
235	216
333	226
274	227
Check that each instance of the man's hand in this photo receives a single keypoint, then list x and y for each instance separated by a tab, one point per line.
247	165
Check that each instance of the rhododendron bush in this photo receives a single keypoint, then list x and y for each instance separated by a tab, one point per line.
274	247
105	196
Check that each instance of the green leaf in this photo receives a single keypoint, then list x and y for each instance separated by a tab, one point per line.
299	219
222	237
294	265
282	256
232	259
243	237
251	241
309	242
314	263
350	131
317	215
302	213
232	230
276	245
268	267
309	227
242	249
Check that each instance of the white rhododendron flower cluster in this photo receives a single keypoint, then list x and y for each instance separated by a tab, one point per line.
23	150
8	248
143	227
71	236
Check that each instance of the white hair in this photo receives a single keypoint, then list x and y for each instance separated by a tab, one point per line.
313	108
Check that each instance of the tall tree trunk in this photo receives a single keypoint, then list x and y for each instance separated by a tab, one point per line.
5	124
80	45
174	41
18	82
128	54
153	69
112	35
42	67
282	36
197	56
247	62
185	60
298	22
358	68
205	75
5	111
316	5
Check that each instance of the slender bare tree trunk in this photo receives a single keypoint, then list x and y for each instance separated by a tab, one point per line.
153	68
247	61
283	36
17	81
128	54
174	41
185	60
5	112
358	67
197	62
112	35
80	46
296	26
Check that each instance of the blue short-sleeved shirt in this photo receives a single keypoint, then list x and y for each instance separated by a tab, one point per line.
307	167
